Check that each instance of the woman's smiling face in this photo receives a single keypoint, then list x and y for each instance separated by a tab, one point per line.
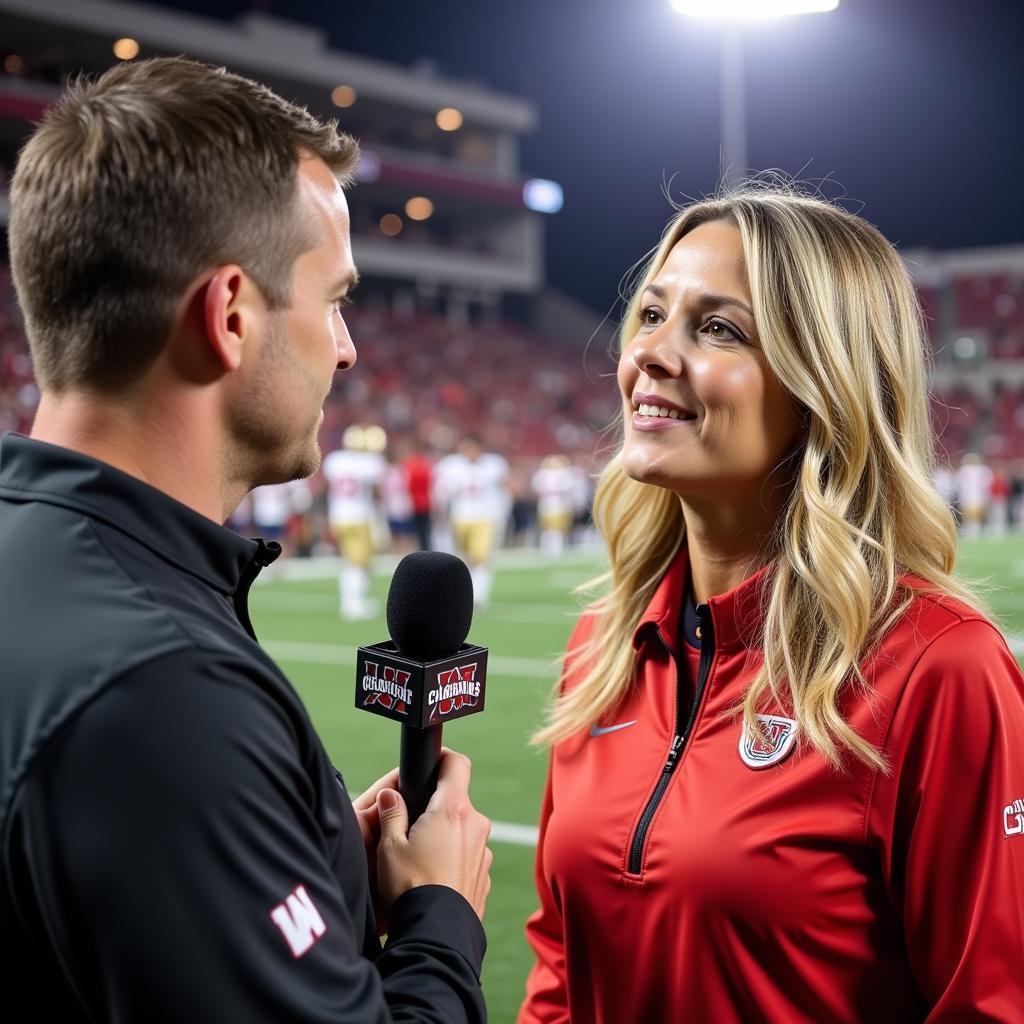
704	413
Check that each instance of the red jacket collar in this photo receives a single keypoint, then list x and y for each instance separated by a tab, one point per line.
737	615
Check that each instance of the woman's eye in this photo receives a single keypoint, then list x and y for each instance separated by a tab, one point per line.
721	331
650	317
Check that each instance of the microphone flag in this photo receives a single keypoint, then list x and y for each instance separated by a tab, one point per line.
417	693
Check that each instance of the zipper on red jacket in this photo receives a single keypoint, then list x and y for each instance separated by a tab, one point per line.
682	732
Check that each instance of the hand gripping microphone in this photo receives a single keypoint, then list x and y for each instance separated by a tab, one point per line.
426	674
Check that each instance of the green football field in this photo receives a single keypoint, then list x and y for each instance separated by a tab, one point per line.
532	610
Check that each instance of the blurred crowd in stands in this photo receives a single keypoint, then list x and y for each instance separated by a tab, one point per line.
430	383
994	303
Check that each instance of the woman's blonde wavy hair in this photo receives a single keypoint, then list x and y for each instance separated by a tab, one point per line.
841	327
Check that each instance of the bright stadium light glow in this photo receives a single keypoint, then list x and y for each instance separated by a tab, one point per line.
965	348
733	16
449	119
543	196
751	10
419	208
390	225
343	96
368	168
126	49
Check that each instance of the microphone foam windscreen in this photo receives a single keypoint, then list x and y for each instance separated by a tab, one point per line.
430	605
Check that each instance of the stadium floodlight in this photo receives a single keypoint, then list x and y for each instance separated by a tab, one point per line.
542	195
751	10
733	14
368	169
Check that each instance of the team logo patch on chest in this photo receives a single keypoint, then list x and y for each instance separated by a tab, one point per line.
763	751
1013	818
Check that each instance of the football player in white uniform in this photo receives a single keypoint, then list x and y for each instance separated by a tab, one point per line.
473	486
353	475
277	512
974	481
555	487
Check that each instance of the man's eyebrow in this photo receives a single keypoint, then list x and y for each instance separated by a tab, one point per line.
704	300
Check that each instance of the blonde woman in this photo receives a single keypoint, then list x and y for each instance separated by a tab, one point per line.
787	775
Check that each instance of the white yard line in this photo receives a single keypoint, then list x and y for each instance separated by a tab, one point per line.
295	603
327	604
530	668
535	614
334	654
327	566
501	831
519	835
567	580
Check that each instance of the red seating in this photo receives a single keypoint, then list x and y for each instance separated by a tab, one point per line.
528	396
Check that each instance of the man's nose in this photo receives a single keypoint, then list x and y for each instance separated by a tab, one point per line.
346	349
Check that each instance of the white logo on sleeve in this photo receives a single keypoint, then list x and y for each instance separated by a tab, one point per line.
298	921
1013	818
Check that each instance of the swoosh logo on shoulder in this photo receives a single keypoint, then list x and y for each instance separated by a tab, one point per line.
597	730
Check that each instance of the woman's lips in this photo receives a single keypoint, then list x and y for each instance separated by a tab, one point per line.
654	423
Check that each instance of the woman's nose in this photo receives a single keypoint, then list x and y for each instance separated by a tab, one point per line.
657	355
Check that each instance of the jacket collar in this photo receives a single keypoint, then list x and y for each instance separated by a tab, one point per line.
35	471
737	616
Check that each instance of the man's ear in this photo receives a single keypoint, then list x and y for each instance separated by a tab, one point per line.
228	314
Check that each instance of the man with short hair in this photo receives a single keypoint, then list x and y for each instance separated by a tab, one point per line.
176	844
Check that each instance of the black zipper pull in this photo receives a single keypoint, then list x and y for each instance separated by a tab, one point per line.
266	553
262	557
673	754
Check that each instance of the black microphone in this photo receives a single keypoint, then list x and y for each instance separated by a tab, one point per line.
426	674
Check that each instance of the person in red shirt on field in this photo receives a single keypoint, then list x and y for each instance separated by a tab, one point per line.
419	479
787	769
999	502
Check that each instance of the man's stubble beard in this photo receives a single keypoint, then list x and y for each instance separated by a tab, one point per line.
263	449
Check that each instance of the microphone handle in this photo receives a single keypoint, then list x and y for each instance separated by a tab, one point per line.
418	765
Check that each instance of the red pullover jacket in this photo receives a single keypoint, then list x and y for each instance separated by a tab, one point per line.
690	874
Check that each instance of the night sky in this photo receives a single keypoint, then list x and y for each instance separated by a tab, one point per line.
911	109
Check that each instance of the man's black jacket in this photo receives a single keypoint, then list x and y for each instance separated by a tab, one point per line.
175	843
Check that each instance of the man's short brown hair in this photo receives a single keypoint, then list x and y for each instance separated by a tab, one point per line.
136	183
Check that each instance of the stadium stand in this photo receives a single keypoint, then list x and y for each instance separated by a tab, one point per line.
442	320
521	393
994	303
419	376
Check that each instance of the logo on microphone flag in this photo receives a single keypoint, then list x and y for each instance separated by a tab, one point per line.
775	743
456	688
390	689
420	694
